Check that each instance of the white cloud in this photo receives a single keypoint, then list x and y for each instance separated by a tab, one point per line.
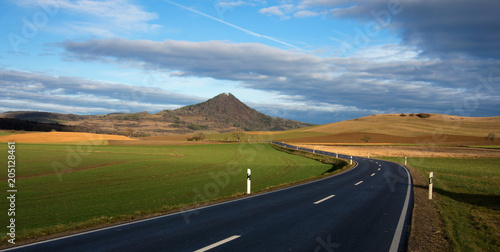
102	18
280	10
306	14
67	94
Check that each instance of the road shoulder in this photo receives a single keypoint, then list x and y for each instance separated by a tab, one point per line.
427	231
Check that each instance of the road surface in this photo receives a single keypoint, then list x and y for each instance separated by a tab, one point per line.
367	208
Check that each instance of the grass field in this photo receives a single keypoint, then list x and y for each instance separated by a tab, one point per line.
63	187
468	199
6	133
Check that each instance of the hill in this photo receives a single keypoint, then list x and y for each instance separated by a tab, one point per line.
400	128
227	111
222	113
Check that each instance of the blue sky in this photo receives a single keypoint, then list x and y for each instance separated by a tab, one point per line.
317	61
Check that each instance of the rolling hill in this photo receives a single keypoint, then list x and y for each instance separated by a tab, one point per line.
399	128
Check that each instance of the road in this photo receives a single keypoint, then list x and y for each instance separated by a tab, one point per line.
367	208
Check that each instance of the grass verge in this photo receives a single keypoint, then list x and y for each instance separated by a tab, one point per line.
467	195
336	163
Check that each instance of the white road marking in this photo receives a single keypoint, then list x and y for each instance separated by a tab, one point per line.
359	182
399	229
319	201
379	169
372	174
218	243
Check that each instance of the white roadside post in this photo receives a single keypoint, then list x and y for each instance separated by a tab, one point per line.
351	159
431	177
406	160
249	178
368	155
337	154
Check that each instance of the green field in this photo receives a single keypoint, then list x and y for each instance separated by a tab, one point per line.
468	199
63	187
6	133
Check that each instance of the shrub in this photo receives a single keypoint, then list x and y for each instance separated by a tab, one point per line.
423	115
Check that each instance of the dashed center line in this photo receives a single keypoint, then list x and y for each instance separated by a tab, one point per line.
218	243
372	174
359	182
379	169
319	201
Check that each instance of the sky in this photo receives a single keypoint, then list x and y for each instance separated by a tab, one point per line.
316	61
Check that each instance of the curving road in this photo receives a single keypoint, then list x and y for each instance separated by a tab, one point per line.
367	208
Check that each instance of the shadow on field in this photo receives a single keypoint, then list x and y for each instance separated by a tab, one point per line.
481	200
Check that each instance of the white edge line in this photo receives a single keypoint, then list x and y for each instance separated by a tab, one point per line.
319	201
399	229
218	243
167	215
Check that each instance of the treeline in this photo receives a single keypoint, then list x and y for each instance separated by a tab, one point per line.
17	124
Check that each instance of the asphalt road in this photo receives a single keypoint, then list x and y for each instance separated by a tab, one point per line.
365	209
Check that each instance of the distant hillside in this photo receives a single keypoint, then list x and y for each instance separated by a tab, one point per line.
227	111
17	124
401	128
415	125
222	113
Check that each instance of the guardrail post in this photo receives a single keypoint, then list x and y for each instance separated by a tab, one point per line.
431	178
249	180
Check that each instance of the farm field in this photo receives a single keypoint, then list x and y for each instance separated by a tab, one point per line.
60	137
467	195
66	187
395	129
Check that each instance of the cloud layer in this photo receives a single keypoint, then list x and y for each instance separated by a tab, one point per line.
25	90
446	28
364	83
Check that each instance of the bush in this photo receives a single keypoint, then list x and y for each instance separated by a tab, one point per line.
423	115
197	137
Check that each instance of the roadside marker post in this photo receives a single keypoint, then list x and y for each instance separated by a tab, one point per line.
406	160
431	178
249	179
351	159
